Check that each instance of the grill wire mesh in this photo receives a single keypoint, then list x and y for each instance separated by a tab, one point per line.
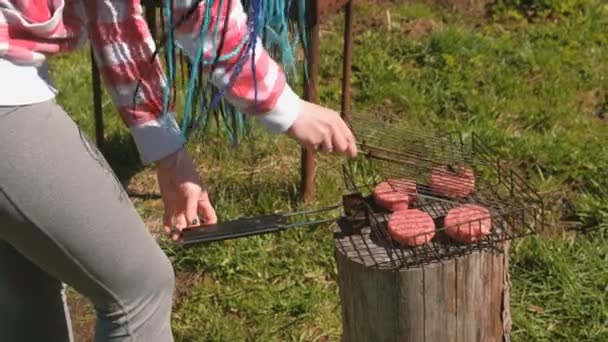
390	153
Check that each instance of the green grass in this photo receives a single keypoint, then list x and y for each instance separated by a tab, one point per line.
535	89
560	288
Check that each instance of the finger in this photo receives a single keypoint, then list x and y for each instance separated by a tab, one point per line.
191	209
312	147
167	222
351	150
339	141
327	145
168	215
180	224
180	220
206	209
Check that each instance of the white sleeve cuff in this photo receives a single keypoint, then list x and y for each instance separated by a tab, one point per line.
284	114
157	139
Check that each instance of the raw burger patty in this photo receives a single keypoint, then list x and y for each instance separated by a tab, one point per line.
394	194
411	227
458	181
468	222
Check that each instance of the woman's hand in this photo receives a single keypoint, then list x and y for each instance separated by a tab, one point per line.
322	129
183	195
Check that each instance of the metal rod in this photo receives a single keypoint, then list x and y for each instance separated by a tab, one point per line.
307	186
309	223
371	154
97	108
314	211
348	59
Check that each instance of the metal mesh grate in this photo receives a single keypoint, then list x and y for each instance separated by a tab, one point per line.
444	171
390	154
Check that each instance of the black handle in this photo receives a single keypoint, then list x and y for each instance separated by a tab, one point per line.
258	225
233	229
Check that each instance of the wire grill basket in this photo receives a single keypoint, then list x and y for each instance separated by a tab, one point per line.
444	173
449	172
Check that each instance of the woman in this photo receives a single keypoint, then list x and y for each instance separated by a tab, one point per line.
63	216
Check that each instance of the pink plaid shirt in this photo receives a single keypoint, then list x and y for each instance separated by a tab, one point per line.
30	30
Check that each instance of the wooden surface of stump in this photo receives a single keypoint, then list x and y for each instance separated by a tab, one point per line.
462	299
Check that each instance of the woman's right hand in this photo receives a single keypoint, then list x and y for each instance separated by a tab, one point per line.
321	129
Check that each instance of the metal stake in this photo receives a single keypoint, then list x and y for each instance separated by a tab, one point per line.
97	109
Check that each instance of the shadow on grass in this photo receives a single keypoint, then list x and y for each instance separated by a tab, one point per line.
122	155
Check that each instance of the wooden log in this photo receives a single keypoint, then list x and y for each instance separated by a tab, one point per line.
460	299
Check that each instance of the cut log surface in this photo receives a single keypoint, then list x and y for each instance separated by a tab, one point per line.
461	299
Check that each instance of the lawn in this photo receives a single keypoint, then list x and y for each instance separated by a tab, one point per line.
532	81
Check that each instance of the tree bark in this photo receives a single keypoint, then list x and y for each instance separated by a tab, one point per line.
463	299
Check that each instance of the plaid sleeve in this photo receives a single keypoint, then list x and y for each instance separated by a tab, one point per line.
123	48
277	105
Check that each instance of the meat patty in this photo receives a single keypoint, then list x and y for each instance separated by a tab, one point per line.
411	227
468	222
395	194
452	181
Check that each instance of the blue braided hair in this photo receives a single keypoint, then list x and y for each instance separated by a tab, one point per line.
268	20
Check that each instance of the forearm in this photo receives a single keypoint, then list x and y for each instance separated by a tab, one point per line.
123	49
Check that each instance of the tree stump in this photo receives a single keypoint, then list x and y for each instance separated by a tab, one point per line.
462	299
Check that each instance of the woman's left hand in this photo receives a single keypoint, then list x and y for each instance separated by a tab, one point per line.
183	194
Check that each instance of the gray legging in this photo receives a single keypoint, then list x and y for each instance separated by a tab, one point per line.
64	218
